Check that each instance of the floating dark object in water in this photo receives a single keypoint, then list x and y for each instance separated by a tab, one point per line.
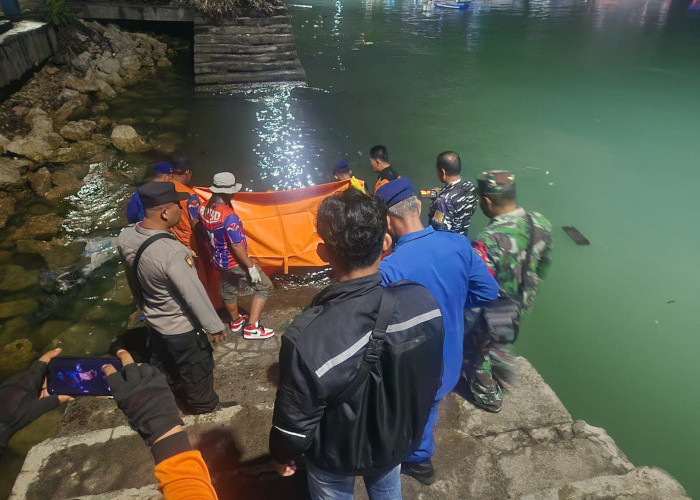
671	302
576	235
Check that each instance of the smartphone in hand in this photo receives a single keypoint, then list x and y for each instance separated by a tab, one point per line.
74	376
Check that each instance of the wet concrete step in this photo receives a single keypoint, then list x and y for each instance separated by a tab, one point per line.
272	29
225	48
296	75
246	39
226	67
243	58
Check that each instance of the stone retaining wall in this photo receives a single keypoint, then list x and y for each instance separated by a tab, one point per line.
23	47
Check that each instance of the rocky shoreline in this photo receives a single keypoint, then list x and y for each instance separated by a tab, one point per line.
55	134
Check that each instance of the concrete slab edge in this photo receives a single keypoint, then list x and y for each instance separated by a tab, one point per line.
39	454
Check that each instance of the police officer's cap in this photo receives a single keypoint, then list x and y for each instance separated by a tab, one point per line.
155	194
395	191
496	182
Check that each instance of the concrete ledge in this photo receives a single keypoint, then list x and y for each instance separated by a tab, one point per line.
22	48
96	462
532	450
644	483
132	12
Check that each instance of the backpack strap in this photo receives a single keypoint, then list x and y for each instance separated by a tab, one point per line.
146	244
528	256
139	253
374	350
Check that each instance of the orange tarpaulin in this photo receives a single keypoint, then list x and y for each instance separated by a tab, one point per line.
280	225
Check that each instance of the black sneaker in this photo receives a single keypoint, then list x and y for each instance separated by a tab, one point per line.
421	471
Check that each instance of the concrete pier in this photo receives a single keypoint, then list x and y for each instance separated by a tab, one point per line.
532	450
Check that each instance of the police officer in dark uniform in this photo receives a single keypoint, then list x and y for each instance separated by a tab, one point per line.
178	311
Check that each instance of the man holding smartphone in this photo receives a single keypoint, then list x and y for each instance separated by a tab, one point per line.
164	282
24	398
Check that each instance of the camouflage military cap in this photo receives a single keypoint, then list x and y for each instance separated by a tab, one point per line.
496	181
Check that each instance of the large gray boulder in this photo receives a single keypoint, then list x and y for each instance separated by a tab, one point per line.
82	85
11	171
107	63
40	227
65	184
78	130
78	152
82	61
130	64
120	41
72	108
126	139
34	148
79	170
60	253
42	127
67	94
39	120
105	92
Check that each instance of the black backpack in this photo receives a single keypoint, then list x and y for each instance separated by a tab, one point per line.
378	420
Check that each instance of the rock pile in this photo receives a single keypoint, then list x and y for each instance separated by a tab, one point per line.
51	132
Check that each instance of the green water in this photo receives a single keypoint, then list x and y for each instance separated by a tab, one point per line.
593	104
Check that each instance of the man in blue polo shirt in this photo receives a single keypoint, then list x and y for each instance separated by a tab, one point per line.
444	263
162	172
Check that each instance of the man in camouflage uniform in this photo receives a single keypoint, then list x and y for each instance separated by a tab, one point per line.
503	246
454	205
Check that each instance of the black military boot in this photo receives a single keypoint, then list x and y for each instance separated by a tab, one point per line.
422	471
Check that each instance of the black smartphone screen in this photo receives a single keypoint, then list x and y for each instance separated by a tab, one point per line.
79	376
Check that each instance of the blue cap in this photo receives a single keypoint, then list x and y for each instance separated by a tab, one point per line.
395	191
341	165
162	167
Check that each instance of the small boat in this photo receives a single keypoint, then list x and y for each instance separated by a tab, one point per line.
451	4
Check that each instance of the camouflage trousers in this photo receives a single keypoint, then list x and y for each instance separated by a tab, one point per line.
487	365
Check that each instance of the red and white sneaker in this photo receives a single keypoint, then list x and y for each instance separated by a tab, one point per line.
257	331
238	324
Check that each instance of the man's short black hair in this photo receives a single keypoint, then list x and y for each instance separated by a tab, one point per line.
353	226
181	164
379	152
449	161
501	200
